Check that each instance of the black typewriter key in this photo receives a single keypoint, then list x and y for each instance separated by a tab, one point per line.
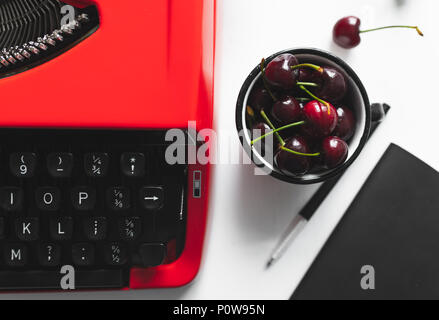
152	254
15	255
133	164
61	228
48	198
130	228
11	198
49	254
23	164
118	198
83	254
115	254
152	198
83	198
95	228
27	229
96	164
60	165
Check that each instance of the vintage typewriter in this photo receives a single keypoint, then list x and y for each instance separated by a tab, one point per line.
89	91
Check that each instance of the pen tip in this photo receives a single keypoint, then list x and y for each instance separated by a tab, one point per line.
269	263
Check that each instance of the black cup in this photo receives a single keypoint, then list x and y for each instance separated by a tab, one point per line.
357	100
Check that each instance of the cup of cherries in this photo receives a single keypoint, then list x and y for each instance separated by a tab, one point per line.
303	115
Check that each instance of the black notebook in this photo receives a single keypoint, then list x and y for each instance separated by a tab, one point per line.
387	244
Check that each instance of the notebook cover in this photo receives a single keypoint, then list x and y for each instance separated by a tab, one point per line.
393	226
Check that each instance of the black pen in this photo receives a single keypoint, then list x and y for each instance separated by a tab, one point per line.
306	213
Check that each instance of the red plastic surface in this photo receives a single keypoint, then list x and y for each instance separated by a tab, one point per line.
149	65
142	68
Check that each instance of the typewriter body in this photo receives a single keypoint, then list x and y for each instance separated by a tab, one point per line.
86	105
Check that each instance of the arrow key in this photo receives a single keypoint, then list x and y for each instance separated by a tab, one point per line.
152	198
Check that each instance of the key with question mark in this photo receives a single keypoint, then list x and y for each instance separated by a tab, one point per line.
49	254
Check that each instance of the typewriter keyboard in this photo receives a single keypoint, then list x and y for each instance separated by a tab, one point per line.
98	201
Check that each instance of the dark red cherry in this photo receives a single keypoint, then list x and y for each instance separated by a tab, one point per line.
278	72
260	99
292	164
259	130
345	128
319	121
346	32
334	152
310	75
333	85
287	110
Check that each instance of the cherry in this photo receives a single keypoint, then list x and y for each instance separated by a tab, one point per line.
334	152
260	129
320	118
293	164
333	85
328	83
260	99
278	72
347	32
345	128
310	75
287	110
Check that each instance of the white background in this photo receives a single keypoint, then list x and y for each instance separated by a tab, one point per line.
248	213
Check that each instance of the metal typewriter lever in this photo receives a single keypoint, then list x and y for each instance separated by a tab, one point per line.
32	33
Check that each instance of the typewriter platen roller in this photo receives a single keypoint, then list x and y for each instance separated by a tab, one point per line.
105	84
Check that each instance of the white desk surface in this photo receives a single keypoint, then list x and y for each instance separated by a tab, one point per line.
247	212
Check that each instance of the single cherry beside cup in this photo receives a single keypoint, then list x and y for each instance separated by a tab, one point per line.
334	152
346	32
320	119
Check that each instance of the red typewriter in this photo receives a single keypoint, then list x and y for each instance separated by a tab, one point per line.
89	91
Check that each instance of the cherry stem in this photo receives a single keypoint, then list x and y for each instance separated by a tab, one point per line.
277	130
282	142
308	65
390	27
303	99
313	96
309	84
300	153
262	67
